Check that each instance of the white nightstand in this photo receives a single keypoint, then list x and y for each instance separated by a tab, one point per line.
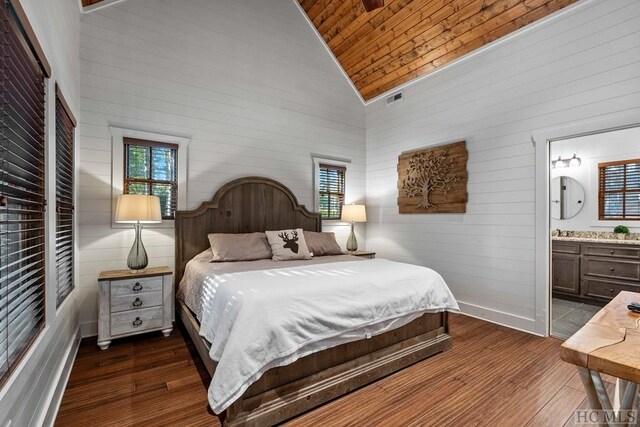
134	303
363	254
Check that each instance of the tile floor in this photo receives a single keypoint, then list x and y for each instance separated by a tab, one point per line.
569	316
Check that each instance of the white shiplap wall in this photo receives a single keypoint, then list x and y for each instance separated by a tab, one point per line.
579	65
247	81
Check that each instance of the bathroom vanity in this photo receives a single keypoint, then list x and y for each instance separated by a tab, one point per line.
594	270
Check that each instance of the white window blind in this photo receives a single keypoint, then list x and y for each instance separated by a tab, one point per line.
22	194
619	193
64	202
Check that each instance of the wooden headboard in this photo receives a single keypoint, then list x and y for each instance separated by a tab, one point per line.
244	205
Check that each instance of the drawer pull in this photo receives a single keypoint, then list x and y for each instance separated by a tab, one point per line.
137	322
137	302
612	252
611	269
137	287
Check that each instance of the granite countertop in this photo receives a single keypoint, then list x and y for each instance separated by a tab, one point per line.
594	237
596	240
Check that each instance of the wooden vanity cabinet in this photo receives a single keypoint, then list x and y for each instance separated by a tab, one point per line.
594	272
608	269
565	267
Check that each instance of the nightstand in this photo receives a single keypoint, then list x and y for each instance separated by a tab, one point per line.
363	254
134	303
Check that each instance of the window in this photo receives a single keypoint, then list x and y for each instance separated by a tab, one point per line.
151	168
619	194
22	193
120	137
65	127
331	188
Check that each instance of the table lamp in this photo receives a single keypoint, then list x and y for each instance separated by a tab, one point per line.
138	209
353	214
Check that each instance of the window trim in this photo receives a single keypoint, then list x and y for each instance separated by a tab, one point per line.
601	193
117	168
32	40
330	161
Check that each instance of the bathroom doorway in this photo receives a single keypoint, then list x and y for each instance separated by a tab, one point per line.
594	187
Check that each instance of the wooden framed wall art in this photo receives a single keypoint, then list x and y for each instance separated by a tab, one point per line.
433	180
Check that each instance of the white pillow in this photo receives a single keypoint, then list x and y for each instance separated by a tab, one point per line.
288	245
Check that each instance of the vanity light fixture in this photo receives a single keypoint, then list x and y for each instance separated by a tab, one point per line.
563	163
575	161
557	164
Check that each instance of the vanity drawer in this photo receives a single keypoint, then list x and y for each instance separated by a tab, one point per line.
616	269
607	289
135	301
136	286
559	246
133	321
618	251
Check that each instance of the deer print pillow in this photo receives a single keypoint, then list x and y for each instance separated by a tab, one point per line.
288	245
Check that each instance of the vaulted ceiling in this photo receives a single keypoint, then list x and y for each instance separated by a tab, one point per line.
406	39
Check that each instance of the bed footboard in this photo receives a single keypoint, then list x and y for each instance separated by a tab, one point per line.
287	391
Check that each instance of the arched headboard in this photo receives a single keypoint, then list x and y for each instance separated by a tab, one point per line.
244	205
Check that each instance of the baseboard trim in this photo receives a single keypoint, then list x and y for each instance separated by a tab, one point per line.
509	320
60	379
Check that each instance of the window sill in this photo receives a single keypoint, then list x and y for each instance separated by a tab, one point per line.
335	222
167	223
611	223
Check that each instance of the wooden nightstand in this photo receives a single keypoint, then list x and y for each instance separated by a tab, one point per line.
134	303
363	254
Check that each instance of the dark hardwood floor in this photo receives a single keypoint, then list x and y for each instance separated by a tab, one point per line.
493	376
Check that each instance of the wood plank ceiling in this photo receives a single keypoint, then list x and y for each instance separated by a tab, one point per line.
406	39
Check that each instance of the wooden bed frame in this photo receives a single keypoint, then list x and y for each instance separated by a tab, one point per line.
258	204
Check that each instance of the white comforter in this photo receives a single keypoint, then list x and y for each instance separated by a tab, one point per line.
257	320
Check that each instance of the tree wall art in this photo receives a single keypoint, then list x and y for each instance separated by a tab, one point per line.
433	180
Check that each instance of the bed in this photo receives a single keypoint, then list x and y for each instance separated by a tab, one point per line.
256	204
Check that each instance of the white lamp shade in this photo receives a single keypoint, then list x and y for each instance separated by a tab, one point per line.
354	213
133	208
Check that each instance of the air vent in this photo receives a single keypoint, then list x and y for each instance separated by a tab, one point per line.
396	97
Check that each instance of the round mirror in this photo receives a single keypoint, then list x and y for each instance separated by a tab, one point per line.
567	197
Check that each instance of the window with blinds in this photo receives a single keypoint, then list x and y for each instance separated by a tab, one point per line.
152	168
331	190
64	202
22	194
619	192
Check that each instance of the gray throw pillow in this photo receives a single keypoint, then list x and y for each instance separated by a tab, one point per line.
288	245
322	244
239	247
